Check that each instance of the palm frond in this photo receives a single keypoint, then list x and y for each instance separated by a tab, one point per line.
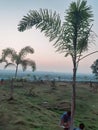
28	62
8	52
23	52
3	60
45	20
76	25
9	64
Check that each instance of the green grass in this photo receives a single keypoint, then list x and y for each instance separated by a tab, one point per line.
38	107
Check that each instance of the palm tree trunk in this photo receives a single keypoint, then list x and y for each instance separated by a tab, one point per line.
74	58
11	90
73	101
16	71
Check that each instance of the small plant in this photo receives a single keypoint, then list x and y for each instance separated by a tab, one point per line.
94	68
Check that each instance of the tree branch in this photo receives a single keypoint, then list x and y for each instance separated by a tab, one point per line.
87	56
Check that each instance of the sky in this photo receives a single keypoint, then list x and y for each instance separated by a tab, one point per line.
45	55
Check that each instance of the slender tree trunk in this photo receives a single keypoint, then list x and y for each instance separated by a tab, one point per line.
74	58
11	90
16	71
73	101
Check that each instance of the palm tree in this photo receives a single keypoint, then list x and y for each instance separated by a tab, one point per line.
71	37
18	59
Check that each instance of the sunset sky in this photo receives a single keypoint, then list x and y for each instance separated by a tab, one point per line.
12	11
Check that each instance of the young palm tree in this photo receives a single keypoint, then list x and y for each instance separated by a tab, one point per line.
18	59
71	36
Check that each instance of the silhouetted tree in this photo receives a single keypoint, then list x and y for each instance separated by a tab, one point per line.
18	59
71	37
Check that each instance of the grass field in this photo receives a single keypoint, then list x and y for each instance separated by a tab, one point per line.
38	106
